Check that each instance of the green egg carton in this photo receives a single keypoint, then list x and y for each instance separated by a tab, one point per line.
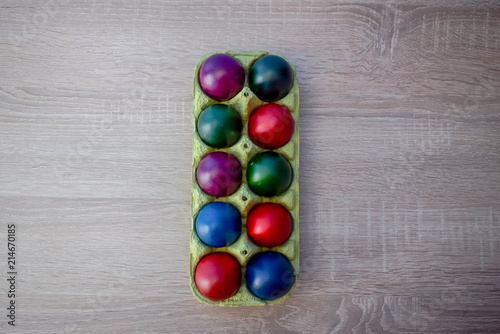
244	199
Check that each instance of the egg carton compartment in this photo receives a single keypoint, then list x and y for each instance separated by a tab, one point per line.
244	199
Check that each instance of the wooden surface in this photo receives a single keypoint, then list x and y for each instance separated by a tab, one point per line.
400	163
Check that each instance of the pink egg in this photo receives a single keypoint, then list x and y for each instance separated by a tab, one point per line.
221	77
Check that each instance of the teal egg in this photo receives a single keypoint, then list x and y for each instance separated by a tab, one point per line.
270	78
219	126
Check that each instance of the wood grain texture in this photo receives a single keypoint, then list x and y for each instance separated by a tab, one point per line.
400	156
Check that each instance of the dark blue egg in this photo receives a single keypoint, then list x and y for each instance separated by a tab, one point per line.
270	78
269	275
218	224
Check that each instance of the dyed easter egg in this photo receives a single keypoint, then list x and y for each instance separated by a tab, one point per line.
219	174
221	77
219	126
269	174
218	224
218	276
270	78
269	275
269	225
270	126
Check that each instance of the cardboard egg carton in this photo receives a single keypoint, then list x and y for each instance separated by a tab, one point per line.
244	199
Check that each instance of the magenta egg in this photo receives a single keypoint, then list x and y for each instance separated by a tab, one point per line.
221	77
219	174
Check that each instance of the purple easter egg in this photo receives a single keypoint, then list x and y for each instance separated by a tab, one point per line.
219	174
222	77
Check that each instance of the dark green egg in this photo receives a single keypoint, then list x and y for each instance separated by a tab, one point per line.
219	126
269	174
270	78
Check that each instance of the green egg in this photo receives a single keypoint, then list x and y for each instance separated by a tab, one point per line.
269	174
219	126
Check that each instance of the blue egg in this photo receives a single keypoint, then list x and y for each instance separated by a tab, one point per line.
218	224
269	275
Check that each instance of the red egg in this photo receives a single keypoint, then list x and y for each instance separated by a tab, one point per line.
269	225
218	276
271	126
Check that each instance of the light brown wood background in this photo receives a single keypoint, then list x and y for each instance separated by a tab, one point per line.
400	163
